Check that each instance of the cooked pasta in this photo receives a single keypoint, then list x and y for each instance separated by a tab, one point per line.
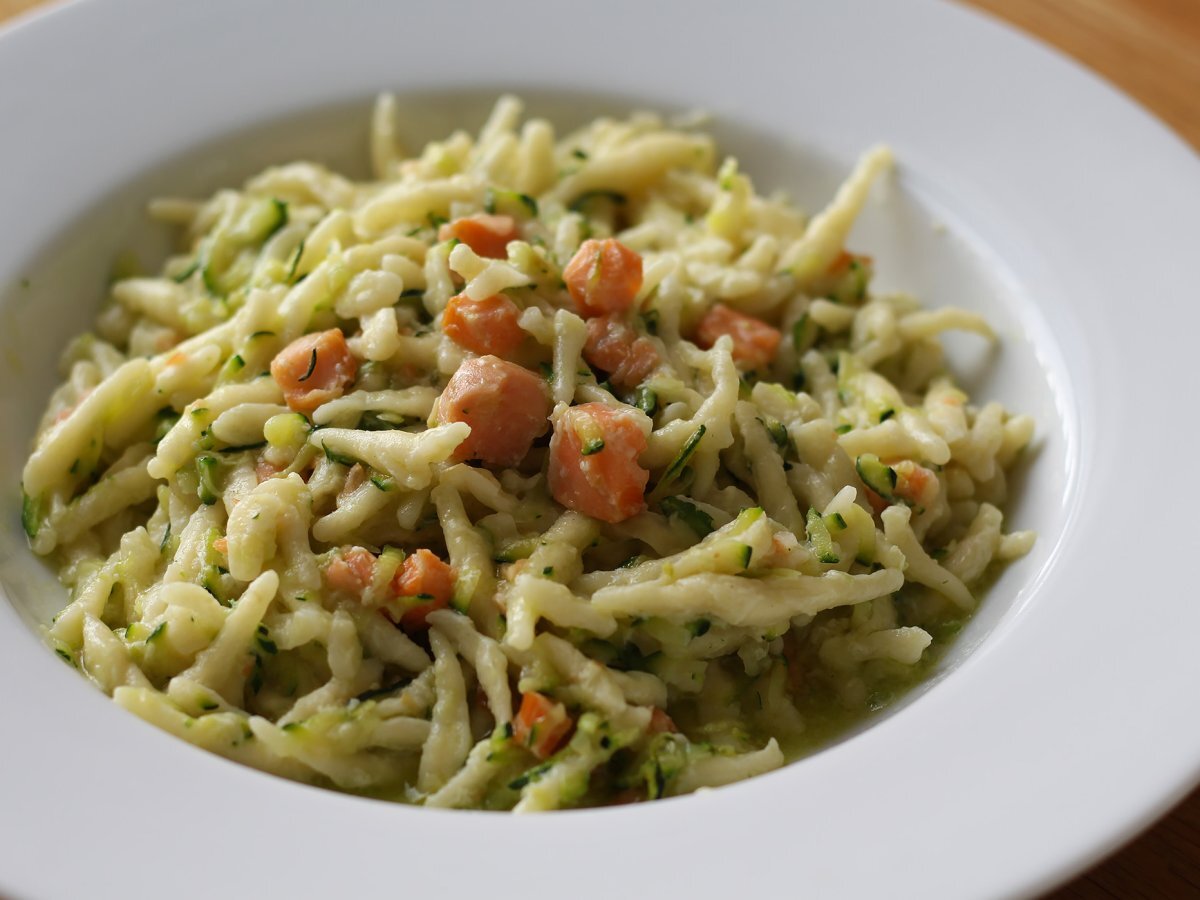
534	472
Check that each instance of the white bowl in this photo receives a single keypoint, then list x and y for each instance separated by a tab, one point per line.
1061	722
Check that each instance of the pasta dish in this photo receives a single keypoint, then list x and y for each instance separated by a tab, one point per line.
537	471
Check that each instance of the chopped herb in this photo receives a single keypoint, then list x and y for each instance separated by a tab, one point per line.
312	365
166	539
689	514
548	571
382	483
435	222
593	446
579	154
844	429
157	632
208	705
885	415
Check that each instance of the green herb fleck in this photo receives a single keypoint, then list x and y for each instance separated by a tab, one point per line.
312	365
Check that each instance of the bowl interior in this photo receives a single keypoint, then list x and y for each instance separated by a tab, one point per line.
913	226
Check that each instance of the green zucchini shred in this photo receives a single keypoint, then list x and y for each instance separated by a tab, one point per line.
689	514
646	399
820	538
206	473
31	514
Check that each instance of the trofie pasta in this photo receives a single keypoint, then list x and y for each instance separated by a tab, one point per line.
536	472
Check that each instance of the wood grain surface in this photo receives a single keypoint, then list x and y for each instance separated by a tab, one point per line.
1151	50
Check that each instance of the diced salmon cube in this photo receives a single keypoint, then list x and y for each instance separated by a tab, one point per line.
351	570
754	341
594	462
506	406
541	724
603	277
314	369
615	348
486	234
423	583
483	326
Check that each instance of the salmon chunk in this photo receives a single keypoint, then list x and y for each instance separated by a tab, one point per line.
505	405
615	348
754	341
486	234
594	462
603	277
424	583
314	369
483	326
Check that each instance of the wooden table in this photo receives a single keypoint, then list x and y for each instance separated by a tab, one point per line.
1150	49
